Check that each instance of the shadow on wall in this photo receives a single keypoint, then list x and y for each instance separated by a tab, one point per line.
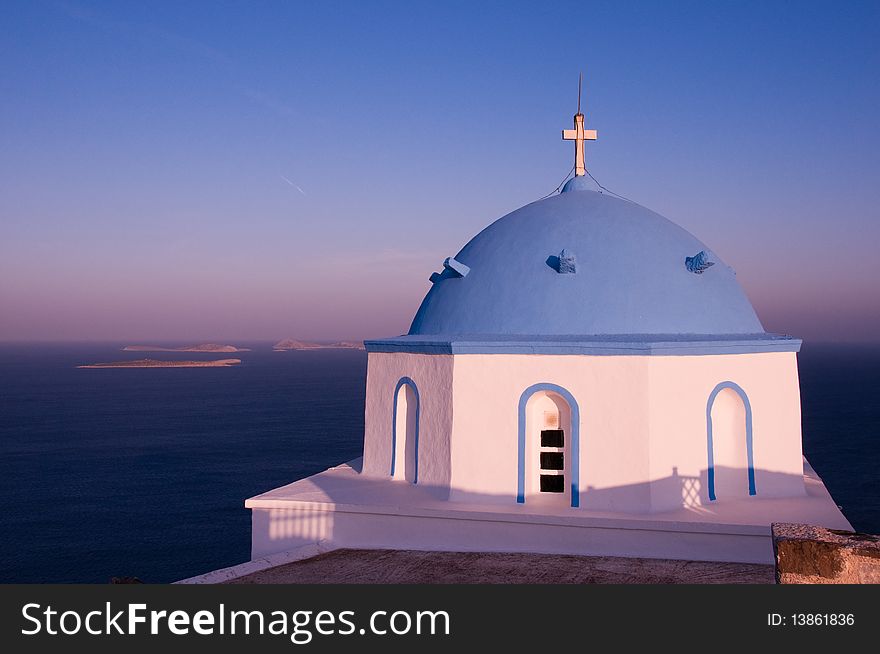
679	491
670	493
674	492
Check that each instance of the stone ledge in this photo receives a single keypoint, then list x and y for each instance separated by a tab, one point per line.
258	565
806	554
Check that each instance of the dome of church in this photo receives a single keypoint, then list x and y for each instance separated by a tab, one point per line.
585	263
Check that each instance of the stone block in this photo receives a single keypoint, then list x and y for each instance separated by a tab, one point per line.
806	554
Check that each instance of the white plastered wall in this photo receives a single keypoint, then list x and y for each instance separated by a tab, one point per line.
680	389
642	430
432	375
611	395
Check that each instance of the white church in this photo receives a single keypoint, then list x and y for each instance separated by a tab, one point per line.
583	377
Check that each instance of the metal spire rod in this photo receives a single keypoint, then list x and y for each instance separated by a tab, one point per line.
580	83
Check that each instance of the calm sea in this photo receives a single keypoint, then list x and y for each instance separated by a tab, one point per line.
144	472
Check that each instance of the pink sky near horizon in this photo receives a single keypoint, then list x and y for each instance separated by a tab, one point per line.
344	298
201	173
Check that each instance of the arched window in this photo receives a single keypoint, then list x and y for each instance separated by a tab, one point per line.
548	446
405	431
731	470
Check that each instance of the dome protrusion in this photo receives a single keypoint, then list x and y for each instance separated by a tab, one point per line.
452	268
699	263
564	263
457	268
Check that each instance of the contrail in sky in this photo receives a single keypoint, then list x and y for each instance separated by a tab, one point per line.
292	184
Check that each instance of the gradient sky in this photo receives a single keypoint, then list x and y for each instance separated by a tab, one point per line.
258	170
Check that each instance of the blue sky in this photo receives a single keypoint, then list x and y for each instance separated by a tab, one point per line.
251	170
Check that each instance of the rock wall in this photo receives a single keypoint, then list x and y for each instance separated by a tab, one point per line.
814	555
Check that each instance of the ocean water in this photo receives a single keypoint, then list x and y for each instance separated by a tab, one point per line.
143	472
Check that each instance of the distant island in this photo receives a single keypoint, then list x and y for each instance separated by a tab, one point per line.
155	363
204	347
290	344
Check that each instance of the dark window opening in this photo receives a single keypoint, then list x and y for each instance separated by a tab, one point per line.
552	461
552	438
552	484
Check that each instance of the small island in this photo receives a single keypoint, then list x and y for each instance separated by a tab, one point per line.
290	344
155	363
203	347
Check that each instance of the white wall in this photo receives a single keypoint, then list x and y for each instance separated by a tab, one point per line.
611	394
488	533
432	375
680	389
643	444
280	530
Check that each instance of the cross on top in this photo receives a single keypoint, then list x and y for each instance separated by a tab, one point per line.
579	135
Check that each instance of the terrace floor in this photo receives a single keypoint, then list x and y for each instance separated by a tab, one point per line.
361	566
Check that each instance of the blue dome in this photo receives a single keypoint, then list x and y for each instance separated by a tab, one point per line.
585	263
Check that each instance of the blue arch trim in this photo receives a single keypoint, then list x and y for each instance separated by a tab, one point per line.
745	398
575	441
409	382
